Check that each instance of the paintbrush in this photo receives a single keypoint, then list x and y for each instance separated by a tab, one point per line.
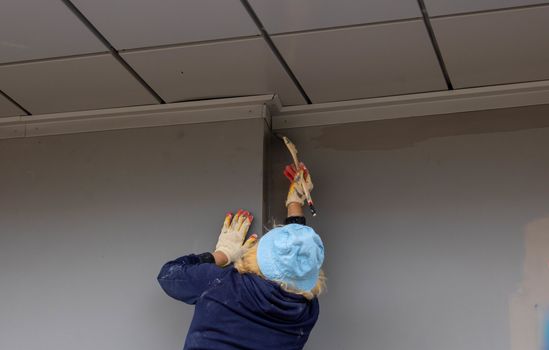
293	151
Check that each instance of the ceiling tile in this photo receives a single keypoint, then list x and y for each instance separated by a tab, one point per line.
33	29
140	23
223	69
361	62
446	7
495	48
72	84
291	15
8	109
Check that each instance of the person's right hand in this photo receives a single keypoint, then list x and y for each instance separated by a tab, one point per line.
296	193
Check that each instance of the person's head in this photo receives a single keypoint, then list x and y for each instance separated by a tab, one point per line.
291	255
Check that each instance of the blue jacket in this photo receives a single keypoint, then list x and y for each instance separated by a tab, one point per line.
234	311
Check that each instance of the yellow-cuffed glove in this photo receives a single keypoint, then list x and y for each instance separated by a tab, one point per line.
296	193
231	240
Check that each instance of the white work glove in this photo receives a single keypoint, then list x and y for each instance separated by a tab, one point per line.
296	193
231	240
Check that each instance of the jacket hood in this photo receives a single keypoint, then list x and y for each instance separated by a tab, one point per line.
278	306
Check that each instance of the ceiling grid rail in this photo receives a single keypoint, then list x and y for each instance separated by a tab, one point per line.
275	50
348	26
491	10
434	42
9	98
112	50
55	58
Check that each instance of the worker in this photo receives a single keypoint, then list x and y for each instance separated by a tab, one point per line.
253	294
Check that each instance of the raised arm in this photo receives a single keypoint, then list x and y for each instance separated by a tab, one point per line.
189	276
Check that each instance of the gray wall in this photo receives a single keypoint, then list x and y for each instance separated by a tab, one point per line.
87	220
423	221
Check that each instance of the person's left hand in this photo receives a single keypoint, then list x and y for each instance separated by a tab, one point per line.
231	240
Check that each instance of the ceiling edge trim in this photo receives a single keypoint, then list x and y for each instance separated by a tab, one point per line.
207	111
269	106
413	105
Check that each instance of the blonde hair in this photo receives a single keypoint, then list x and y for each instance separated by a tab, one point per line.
248	264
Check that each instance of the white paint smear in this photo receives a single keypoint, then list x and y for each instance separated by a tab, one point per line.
531	300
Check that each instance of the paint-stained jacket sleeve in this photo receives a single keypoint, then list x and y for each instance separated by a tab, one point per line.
185	279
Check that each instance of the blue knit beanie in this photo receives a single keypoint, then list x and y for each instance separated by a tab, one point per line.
292	254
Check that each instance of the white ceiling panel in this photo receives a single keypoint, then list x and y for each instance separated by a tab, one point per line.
72	84
140	23
33	29
361	62
447	7
495	48
223	69
296	15
8	109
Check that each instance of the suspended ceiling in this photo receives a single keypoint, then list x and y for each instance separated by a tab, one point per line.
59	56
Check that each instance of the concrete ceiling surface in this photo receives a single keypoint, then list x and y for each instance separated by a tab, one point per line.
223	69
447	7
8	109
291	15
139	23
34	29
361	62
72	84
495	48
